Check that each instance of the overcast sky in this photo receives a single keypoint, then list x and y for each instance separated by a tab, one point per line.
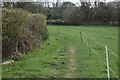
75	1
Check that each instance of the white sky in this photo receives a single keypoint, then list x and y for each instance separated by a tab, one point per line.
73	1
76	1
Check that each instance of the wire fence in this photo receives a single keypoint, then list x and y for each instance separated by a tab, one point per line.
103	45
96	53
85	38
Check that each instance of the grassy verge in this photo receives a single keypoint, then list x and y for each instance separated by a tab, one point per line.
49	61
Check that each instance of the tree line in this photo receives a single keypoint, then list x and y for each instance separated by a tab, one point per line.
84	13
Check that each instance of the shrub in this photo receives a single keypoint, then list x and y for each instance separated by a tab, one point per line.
56	22
13	21
22	31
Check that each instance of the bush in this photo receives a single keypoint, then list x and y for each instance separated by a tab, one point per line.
56	22
22	31
13	21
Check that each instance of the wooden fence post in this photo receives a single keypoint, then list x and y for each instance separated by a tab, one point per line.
81	36
67	32
89	46
57	29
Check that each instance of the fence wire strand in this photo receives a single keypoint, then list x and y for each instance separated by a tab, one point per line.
102	60
101	45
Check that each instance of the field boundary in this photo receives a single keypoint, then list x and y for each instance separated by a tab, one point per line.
82	37
101	45
90	48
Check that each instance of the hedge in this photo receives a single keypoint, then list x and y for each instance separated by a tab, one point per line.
56	22
21	32
62	22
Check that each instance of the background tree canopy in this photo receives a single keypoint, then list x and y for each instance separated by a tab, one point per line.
84	13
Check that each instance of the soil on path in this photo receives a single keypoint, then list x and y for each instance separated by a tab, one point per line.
71	64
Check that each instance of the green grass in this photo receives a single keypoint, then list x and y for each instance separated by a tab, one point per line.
52	59
91	66
49	61
0	70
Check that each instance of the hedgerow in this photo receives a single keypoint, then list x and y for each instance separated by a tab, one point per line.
21	31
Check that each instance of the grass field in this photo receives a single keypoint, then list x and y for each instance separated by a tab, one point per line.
63	54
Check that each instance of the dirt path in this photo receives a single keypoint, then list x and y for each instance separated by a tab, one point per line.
71	64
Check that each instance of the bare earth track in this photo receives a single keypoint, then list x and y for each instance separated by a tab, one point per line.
71	64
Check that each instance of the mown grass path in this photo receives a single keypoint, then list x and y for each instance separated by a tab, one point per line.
63	55
90	66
